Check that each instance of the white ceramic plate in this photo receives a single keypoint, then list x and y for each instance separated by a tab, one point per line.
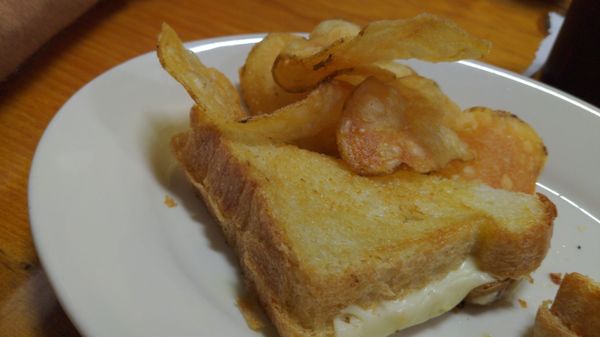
124	264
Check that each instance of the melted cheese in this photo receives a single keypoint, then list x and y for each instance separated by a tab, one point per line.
390	316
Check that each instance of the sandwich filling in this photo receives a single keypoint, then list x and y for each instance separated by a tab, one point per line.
435	299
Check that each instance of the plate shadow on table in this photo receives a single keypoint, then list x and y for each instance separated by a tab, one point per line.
55	319
172	178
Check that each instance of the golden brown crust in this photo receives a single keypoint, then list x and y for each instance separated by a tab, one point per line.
512	254
548	325
237	206
252	312
575	311
301	301
577	304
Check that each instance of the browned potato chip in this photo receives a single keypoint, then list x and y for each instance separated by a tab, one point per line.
508	153
259	90
384	125
209	88
425	37
301	120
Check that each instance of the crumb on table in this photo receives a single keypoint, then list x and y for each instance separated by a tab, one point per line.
170	202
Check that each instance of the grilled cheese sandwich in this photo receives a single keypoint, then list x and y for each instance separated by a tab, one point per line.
332	253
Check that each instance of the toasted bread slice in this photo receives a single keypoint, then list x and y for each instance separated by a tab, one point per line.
575	311
313	237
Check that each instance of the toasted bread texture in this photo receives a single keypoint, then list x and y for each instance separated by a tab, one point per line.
575	311
313	237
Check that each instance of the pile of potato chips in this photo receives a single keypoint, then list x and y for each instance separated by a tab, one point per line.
342	92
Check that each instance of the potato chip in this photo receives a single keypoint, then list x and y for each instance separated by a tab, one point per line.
333	29
301	120
324	34
304	121
425	37
385	125
383	71
209	88
508	153
398	69
259	90
323	142
328	31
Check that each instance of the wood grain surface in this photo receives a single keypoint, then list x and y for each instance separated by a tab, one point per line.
115	31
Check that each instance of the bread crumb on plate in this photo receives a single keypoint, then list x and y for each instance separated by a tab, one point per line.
522	303
556	278
170	202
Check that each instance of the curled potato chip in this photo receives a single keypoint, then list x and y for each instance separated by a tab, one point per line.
328	31
333	29
306	121
385	125
508	153
298	121
324	34
209	88
384	71
259	90
425	37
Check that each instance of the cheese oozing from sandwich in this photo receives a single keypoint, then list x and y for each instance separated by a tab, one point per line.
435	299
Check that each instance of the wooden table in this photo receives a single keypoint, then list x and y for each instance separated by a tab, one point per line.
114	31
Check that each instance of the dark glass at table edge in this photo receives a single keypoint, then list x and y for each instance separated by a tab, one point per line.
574	62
